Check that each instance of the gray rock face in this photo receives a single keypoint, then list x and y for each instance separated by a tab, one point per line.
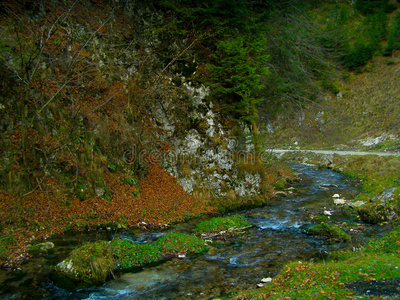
207	157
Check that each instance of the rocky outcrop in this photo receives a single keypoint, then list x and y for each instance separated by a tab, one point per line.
208	156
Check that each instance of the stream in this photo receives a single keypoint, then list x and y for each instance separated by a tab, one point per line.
232	265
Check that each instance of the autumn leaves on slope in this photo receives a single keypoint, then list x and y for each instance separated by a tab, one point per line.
42	213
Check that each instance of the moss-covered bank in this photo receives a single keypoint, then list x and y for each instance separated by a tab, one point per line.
93	263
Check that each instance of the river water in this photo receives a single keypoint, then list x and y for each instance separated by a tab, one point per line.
233	264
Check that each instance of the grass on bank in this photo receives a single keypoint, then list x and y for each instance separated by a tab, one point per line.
92	263
375	173
221	223
129	255
379	260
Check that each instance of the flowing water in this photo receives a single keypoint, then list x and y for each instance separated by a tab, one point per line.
232	265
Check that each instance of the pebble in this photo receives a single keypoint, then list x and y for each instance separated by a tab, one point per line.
336	196
265	280
260	285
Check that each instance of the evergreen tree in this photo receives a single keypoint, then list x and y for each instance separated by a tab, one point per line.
239	63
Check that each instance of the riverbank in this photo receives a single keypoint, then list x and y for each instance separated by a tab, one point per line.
156	201
352	274
358	272
240	258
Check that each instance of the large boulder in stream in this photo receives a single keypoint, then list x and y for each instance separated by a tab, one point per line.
87	265
382	208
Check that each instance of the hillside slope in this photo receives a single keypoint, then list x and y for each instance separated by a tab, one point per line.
107	116
364	113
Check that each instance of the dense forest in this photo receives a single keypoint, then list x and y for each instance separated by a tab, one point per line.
96	94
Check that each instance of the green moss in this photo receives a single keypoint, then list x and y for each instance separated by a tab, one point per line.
221	223
129	255
280	184
329	231
372	214
41	248
87	265
180	243
321	218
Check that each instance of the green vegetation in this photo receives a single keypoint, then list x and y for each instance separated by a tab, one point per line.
380	184
379	260
235	75
92	263
4	242
129	256
329	231
87	265
377	174
394	36
41	248
175	243
222	223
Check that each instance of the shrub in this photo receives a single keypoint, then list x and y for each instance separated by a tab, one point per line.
359	55
394	36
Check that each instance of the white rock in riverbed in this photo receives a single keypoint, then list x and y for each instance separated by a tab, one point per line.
339	201
336	196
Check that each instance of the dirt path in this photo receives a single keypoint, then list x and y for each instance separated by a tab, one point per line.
338	152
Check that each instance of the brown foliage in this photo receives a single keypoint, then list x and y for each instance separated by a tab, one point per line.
51	211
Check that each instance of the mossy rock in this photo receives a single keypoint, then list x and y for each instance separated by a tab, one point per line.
331	232
382	208
41	249
373	213
87	265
